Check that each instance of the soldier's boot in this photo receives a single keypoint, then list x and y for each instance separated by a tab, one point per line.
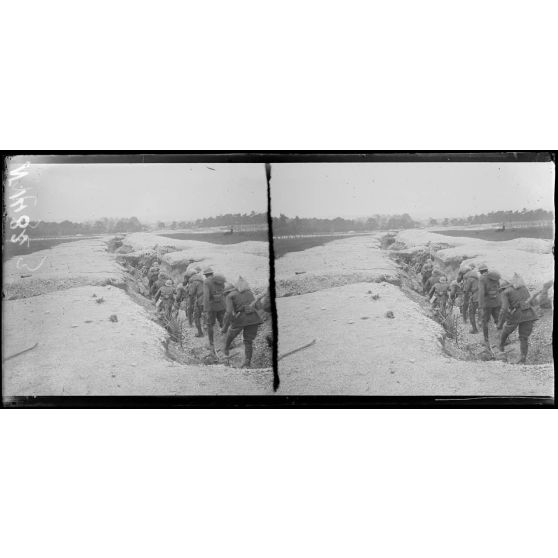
524	347
210	335
485	333
247	354
503	339
473	323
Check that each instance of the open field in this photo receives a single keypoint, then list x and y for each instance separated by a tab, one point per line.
220	237
11	249
282	246
508	234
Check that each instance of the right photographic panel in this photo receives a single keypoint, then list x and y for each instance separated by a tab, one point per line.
414	278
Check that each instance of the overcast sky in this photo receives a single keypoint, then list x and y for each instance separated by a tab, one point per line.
150	192
423	190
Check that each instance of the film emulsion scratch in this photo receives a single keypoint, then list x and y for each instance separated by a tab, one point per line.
155	281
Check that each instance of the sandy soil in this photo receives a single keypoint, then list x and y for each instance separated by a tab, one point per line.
337	263
81	352
359	351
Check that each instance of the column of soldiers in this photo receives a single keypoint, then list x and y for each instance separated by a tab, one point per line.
209	297
480	292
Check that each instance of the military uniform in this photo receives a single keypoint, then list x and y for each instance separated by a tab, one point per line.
489	299
518	313
158	283
426	273
456	295
214	302
241	315
471	289
152	275
166	294
195	295
440	289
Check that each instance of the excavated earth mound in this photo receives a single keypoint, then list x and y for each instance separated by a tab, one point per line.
341	262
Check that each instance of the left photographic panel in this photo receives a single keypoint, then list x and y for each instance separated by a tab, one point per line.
135	279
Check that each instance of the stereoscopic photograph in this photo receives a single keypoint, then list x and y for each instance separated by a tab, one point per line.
401	277
135	279
415	278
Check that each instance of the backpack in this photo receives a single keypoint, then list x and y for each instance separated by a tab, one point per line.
493	287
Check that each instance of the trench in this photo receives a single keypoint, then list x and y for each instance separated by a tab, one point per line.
457	342
181	345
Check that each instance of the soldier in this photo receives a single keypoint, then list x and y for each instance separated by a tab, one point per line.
456	295
195	294
426	272
517	313
471	289
440	289
166	294
489	297
189	302
159	282
152	274
241	316
461	278
433	280
213	301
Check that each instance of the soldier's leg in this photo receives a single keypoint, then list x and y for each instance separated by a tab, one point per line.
496	314
197	319
220	317
485	318
190	312
249	334
472	312
233	332
465	308
525	329
506	332
210	324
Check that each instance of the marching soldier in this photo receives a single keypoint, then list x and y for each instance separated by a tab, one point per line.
241	316
471	290
517	312
195	293
440	289
213	301
489	297
166	294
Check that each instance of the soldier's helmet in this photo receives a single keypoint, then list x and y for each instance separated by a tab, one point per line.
483	267
168	283
208	271
504	284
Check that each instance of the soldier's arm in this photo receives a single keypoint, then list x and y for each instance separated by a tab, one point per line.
205	297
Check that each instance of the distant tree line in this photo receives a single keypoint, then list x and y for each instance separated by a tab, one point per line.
105	225
497	217
284	225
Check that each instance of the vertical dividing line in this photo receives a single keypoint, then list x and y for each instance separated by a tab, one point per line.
276	380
